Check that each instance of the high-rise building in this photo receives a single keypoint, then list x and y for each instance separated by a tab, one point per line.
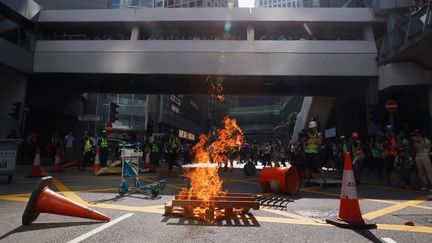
199	3
172	3
311	3
278	3
184	113
72	4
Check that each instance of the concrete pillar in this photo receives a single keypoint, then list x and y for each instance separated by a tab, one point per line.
392	20
340	117
430	107
135	33
368	33
371	98
153	110
250	33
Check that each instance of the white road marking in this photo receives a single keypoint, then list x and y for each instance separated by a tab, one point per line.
388	240
99	229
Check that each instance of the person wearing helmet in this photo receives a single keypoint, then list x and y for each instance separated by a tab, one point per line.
377	149
173	149
404	164
342	149
424	167
357	156
267	151
390	152
104	145
87	151
312	143
255	152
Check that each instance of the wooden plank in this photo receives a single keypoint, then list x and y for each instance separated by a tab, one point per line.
108	170
217	204
219	198
224	194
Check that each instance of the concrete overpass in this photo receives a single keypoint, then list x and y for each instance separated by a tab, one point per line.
320	51
318	65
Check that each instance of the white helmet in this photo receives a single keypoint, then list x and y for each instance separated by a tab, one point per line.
312	124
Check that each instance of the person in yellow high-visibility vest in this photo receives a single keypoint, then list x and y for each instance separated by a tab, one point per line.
173	149
87	151
311	144
357	156
422	146
104	149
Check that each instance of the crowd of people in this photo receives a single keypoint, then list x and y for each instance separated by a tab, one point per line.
95	36
224	36
381	155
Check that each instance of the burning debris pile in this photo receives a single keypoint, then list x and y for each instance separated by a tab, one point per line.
206	199
216	87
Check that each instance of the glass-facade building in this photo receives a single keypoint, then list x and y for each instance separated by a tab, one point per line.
116	4
132	112
312	3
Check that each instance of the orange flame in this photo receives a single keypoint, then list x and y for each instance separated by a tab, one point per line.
205	182
216	88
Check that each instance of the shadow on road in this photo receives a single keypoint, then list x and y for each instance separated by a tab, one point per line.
246	220
368	235
42	226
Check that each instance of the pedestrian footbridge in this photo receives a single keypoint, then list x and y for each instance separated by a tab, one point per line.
213	41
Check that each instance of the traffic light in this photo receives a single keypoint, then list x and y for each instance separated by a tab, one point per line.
16	111
113	112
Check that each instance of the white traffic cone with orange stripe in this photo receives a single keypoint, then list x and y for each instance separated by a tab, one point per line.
57	163
147	165
96	164
349	209
36	168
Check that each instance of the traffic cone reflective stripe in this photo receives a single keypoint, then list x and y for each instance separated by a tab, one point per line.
349	209
148	165
51	202
36	168
44	200
96	164
57	164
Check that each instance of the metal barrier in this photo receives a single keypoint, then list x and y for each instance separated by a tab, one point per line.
417	23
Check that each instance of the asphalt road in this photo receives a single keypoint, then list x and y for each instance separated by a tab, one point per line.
136	218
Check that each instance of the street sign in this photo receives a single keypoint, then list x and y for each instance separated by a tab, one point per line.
391	106
108	128
89	118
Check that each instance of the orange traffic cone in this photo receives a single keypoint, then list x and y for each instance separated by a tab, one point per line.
36	168
148	165
349	209
57	164
96	164
69	164
44	200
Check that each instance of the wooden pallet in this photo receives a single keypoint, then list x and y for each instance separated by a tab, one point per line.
225	204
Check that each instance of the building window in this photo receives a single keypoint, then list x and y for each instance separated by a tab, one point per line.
186	135
175	109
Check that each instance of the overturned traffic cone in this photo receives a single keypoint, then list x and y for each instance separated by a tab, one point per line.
96	164
349	209
57	163
36	168
44	200
69	164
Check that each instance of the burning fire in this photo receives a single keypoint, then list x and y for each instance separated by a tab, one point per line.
205	182
216	87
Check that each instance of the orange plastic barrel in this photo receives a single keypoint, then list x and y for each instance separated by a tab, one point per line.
280	179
